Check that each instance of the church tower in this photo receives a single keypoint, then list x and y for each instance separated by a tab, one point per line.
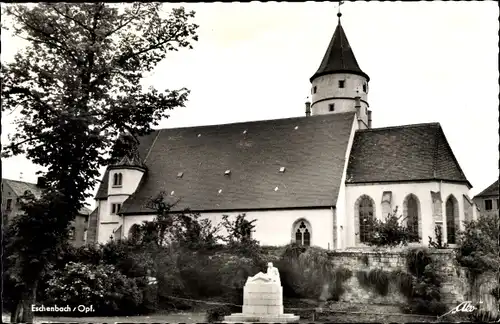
339	85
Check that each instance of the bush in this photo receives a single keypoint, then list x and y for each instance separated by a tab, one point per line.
239	236
376	279
305	274
495	292
479	248
404	282
102	286
438	244
200	275
424	296
390	232
336	287
309	273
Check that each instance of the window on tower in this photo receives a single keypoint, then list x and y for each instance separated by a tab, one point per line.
364	87
117	180
341	83
314	89
331	107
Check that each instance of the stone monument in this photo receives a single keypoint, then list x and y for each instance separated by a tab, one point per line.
263	300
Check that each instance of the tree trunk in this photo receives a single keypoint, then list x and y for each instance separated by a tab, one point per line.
23	313
15	316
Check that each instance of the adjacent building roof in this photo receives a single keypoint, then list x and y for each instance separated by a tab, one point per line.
269	164
492	190
20	187
339	57
403	153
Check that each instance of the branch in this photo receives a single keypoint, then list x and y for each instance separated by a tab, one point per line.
27	92
69	17
48	43
132	133
125	24
14	146
61	46
147	49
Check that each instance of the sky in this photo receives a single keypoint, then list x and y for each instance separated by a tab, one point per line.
427	62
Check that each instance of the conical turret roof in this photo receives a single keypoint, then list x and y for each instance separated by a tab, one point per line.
339	57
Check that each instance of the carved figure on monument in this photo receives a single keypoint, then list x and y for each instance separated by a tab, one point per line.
271	276
273	273
263	300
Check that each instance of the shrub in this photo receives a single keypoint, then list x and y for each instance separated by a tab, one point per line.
389	232
305	274
102	286
220	275
495	292
478	245
309	273
168	263
336	287
376	279
425	296
403	281
239	235
438	244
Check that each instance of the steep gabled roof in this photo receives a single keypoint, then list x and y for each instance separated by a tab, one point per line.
403	153
339	57
492	190
20	187
311	149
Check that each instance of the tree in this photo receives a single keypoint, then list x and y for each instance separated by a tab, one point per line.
77	88
479	248
183	228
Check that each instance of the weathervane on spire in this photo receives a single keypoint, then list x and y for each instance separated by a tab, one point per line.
339	14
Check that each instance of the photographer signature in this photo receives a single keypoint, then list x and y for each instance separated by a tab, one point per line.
464	307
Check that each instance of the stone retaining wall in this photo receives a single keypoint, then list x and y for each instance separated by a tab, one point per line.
456	285
455	288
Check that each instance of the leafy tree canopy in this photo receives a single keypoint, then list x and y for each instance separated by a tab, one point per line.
76	87
479	247
77	83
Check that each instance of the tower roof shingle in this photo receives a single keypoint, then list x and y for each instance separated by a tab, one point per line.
339	57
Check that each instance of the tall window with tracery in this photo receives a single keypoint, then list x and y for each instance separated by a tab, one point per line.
451	215
412	215
365	215
303	233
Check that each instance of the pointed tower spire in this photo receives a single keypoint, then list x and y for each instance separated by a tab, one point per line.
339	14
339	57
339	85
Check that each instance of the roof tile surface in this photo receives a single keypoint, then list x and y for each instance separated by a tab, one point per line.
312	150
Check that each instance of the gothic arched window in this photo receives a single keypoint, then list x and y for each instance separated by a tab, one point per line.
117	179
366	212
451	219
411	212
302	232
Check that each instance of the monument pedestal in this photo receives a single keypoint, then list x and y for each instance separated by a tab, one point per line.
262	302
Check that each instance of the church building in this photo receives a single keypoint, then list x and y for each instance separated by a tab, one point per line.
313	180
